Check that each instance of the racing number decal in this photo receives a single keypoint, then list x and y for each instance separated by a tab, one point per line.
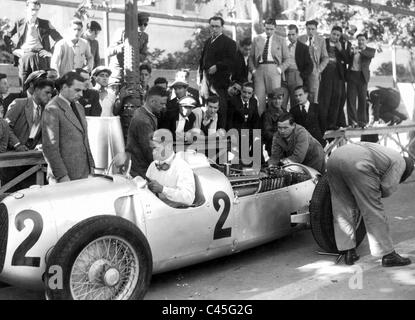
219	232
19	257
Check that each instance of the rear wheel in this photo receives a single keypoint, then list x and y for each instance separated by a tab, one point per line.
101	258
321	218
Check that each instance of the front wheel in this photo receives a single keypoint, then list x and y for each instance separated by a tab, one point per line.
321	218
101	258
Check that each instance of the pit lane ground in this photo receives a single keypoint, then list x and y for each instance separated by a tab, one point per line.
290	268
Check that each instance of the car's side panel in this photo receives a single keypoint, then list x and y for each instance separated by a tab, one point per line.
264	217
180	237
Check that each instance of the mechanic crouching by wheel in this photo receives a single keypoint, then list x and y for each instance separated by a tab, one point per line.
171	178
359	175
293	143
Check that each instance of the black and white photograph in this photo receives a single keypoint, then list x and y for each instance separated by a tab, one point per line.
207	154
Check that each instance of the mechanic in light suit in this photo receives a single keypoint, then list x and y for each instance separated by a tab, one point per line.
319	55
268	60
171	178
359	176
65	133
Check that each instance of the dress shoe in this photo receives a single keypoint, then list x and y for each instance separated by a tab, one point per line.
394	260
350	257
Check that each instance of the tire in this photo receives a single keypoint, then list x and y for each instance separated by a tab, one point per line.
119	267
321	218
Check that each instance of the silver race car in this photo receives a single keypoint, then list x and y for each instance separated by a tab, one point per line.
103	237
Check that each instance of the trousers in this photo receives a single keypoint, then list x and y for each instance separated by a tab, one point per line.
355	187
267	78
31	61
356	88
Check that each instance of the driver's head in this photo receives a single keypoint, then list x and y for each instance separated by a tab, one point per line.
408	168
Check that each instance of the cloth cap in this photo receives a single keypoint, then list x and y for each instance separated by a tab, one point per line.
276	92
34	76
408	168
188	102
100	69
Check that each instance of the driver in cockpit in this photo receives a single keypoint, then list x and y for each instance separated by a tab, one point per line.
170	177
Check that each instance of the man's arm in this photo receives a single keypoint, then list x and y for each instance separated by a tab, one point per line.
117	46
251	58
57	57
276	151
97	58
142	131
285	54
50	141
308	63
301	146
368	53
185	189
228	57
89	58
324	57
13	113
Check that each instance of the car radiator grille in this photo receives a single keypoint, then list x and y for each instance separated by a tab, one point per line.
4	228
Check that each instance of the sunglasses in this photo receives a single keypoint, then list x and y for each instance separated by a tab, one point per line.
145	24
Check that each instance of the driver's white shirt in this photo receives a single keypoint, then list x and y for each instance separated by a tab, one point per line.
178	181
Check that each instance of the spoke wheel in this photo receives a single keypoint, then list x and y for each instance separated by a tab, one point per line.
107	269
102	258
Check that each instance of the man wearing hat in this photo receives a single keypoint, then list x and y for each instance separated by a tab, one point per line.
180	118
72	52
107	98
116	51
171	177
360	175
270	117
33	44
28	88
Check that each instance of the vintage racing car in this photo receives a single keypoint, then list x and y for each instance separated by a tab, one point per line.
103	237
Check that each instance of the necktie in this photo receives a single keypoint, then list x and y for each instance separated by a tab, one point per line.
265	52
246	111
310	40
162	166
37	116
75	110
303	110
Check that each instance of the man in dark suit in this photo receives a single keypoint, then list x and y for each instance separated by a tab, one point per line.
300	66
306	114
24	117
241	72
90	96
65	133
33	44
357	79
216	62
333	83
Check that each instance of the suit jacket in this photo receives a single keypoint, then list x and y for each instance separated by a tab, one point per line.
310	122
20	119
222	54
300	147
342	58
238	112
172	117
219	124
365	59
65	141
241	70
45	30
318	52
90	98
303	60
279	51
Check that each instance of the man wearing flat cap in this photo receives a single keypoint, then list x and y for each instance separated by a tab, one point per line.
360	175
33	44
107	98
116	50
